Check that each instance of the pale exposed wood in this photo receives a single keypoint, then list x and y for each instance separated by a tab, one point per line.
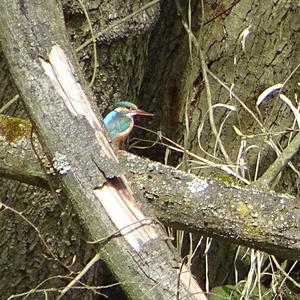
76	151
119	203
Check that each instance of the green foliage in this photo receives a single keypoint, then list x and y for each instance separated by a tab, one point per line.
234	292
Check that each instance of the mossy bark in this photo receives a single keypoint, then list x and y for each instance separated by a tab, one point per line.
61	131
271	54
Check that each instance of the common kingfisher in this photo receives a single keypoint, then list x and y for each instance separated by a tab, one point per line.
120	121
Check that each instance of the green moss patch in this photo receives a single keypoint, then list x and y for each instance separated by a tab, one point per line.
13	129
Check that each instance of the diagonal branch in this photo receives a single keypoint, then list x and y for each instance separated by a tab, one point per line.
43	67
259	219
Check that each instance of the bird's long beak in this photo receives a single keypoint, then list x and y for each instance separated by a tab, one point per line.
140	112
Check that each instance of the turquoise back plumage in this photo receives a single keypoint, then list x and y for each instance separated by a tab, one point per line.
117	122
120	122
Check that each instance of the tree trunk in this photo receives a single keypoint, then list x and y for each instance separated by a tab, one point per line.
247	64
174	88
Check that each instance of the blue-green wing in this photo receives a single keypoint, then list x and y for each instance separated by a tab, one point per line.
116	123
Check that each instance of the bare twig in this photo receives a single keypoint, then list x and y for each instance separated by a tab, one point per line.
93	40
8	104
20	214
282	160
117	23
80	275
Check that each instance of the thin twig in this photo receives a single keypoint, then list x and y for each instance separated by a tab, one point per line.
174	146
209	103
8	104
117	23
37	231
80	275
283	272
281	161
192	38
94	42
237	98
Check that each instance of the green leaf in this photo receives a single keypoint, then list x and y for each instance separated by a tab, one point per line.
233	292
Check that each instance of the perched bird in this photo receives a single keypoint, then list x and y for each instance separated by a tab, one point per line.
119	122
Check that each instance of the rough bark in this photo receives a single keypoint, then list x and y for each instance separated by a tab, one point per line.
117	48
152	265
122	32
258	219
183	95
164	84
270	56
